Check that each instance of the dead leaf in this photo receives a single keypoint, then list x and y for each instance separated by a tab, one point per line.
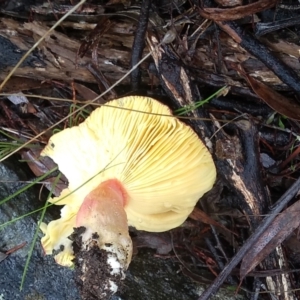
161	241
283	105
282	226
41	165
85	92
199	215
283	46
31	109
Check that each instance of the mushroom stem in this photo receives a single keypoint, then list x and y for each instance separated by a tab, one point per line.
105	237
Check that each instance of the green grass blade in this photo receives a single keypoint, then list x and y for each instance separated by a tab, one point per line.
83	113
35	236
188	108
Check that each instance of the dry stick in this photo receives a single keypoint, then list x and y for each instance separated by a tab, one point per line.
264	28
280	204
139	44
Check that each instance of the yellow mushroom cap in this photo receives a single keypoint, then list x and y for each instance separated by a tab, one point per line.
162	164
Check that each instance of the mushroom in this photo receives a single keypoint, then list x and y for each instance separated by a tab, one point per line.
130	163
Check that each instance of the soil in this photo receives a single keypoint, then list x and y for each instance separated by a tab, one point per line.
92	272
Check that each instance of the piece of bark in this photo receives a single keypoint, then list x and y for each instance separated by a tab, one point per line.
253	46
59	55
